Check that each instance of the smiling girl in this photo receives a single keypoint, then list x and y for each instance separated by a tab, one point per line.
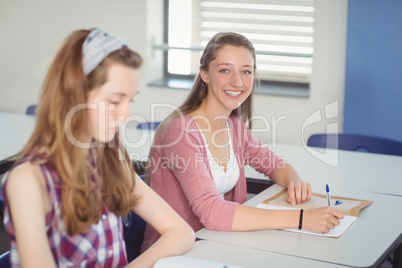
200	150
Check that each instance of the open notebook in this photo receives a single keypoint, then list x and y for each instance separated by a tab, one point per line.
349	206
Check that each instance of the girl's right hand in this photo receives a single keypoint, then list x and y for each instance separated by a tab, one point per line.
321	220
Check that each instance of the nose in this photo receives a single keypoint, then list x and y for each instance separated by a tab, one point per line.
124	114
120	112
237	81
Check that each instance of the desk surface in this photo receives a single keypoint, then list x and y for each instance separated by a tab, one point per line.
248	257
17	128
366	243
377	173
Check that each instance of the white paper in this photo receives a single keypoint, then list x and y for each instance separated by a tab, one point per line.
190	262
336	232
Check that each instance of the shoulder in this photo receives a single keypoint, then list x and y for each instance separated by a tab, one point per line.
25	177
181	126
26	196
180	131
25	170
183	122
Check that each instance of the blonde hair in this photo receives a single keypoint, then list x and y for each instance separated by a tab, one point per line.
65	87
200	90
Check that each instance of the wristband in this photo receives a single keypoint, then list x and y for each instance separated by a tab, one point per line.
301	219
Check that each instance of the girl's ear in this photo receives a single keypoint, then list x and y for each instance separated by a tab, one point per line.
204	76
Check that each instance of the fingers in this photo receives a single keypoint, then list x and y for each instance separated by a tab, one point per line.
322	220
338	214
331	224
309	192
334	222
298	192
290	197
334	218
328	229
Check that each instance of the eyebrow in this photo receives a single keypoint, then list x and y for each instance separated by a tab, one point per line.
246	65
119	93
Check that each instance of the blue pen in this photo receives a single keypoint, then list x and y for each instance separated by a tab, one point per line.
328	197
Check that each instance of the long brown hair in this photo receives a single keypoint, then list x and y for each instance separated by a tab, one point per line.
200	90
65	87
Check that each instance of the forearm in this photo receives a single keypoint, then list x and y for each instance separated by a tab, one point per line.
284	175
174	241
320	220
250	219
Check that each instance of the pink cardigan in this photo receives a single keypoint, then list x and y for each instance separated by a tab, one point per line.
181	174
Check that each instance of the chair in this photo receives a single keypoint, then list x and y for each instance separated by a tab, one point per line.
1	206
354	142
148	125
5	165
31	110
5	260
134	228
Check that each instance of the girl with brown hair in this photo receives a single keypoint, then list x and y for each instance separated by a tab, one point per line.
199	152
73	180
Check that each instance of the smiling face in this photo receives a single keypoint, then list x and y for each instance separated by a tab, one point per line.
230	77
109	103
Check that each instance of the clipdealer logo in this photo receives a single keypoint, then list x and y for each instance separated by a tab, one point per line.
330	157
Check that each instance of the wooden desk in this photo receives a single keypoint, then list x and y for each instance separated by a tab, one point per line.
249	257
367	243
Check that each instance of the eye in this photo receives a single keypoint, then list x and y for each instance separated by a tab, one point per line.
114	102
225	71
246	72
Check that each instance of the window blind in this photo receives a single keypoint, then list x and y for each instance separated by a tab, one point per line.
281	32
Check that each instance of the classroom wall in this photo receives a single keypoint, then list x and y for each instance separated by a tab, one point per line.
373	82
33	31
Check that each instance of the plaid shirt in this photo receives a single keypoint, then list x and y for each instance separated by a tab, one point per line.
102	246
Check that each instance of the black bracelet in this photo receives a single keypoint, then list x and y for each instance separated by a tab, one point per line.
301	219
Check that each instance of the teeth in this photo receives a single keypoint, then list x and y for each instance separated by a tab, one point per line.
233	93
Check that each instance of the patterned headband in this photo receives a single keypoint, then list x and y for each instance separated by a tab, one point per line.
97	46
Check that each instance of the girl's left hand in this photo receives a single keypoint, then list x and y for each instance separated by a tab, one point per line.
298	192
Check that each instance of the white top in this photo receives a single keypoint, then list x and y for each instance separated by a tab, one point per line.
225	181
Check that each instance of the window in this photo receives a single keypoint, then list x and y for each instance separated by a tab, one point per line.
280	30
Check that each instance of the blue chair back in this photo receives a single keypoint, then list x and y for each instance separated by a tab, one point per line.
149	125
353	142
5	260
1	205
134	228
31	110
